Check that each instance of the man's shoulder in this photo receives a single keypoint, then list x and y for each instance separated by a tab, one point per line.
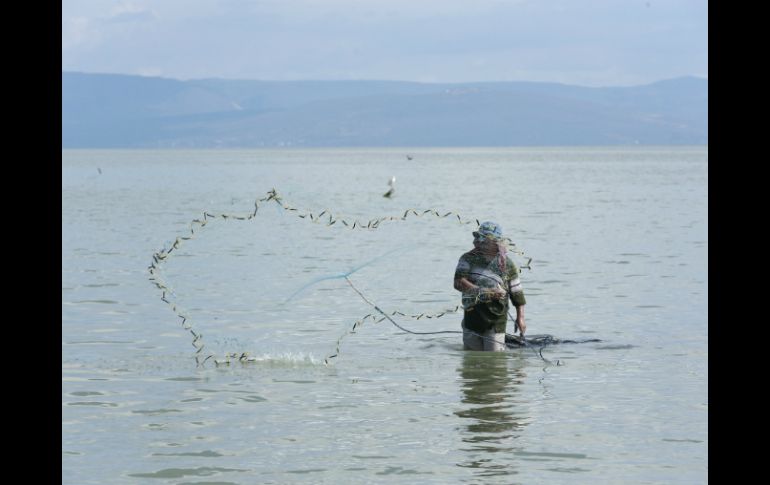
466	262
512	268
471	255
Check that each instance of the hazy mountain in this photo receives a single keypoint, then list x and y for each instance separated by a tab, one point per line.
112	111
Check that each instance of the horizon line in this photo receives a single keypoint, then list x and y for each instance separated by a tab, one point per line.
149	76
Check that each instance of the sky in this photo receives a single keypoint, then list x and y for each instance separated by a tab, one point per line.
579	42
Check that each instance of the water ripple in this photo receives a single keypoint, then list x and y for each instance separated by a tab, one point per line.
183	472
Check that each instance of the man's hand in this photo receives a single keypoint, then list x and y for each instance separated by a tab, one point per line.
521	324
495	293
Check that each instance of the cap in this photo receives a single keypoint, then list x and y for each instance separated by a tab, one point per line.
489	230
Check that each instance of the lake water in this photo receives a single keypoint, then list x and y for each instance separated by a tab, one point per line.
618	239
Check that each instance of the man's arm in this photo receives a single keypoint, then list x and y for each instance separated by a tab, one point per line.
520	323
516	293
464	285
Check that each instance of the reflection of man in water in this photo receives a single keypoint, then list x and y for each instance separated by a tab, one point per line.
489	389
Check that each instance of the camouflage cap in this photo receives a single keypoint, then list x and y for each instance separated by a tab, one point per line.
489	230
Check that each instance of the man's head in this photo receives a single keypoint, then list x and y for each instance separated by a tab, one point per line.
488	239
489	231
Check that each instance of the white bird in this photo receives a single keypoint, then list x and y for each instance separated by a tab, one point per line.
392	183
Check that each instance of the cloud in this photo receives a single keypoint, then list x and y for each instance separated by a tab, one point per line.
75	31
130	12
593	42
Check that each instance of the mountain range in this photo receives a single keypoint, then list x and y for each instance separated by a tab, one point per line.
124	111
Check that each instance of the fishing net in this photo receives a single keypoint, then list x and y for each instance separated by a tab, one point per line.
276	273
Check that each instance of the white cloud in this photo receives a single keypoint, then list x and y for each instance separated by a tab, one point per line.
75	31
596	42
148	71
130	12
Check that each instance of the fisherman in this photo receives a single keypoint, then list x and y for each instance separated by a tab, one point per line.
487	277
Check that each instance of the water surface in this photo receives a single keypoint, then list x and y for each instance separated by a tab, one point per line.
619	241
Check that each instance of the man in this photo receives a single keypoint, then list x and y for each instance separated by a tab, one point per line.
486	276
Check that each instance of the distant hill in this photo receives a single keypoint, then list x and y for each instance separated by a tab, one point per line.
120	111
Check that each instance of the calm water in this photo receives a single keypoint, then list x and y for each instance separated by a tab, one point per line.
619	241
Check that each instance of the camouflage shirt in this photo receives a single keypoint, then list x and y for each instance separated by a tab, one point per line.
481	314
